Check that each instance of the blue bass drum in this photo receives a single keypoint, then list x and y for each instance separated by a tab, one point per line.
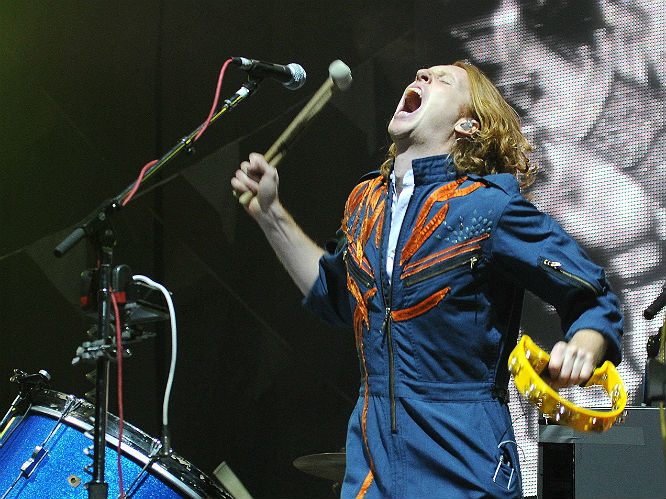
46	448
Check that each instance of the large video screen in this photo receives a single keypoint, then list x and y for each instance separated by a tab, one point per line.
588	79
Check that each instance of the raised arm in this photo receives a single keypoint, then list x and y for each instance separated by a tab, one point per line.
298	253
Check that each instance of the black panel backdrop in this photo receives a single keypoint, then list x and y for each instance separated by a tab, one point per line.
91	92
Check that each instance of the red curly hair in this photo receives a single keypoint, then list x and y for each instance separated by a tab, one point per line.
499	145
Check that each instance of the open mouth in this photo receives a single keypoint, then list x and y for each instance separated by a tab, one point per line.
411	101
522	93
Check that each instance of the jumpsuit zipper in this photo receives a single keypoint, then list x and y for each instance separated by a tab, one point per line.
355	270
388	299
454	263
556	269
387	327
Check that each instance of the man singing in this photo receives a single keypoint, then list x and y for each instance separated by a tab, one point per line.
434	254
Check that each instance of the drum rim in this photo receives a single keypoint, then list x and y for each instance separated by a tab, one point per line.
194	482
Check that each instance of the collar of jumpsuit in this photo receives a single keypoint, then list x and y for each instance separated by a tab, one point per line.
424	170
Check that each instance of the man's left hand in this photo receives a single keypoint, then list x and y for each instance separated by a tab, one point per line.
574	362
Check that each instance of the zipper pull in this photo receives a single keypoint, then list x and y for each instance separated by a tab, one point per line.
472	262
557	266
387	315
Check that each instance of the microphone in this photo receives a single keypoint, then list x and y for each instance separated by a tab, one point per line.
656	305
292	75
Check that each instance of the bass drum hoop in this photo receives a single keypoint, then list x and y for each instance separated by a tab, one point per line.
136	445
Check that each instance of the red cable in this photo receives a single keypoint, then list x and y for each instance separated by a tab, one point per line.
119	353
138	182
196	137
217	97
113	298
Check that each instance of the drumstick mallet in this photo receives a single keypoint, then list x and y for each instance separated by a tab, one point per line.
339	78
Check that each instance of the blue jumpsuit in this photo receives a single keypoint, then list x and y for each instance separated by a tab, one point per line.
430	420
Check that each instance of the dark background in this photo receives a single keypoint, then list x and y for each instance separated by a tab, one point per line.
89	94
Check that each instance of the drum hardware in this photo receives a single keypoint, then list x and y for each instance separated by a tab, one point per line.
90	377
129	335
26	383
91	351
88	468
41	379
73	480
139	304
89	452
7	425
155	448
40	451
98	229
135	307
64	426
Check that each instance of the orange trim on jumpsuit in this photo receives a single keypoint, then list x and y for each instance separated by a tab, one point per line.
425	262
420	233
355	198
421	230
368	196
364	264
421	307
372	214
361	317
366	485
460	251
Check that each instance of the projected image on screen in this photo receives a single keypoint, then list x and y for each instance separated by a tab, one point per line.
588	78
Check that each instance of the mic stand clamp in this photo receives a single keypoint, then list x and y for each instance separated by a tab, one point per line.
92	351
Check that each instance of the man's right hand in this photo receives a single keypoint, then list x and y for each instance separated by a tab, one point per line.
259	178
297	252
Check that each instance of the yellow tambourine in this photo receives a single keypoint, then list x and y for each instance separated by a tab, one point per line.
526	363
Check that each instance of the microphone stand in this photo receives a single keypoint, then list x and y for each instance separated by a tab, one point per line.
98	228
88	225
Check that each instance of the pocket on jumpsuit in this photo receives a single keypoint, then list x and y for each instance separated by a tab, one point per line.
506	474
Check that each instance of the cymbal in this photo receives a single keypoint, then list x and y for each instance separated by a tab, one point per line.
329	465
